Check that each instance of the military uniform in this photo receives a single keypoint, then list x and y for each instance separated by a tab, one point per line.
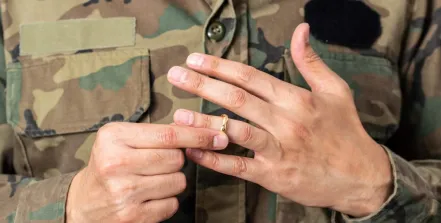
72	66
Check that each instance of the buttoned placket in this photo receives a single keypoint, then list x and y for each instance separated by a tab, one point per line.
221	198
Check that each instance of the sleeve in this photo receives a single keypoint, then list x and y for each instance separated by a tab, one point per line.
417	169
22	198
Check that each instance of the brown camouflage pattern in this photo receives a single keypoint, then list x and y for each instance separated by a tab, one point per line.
52	105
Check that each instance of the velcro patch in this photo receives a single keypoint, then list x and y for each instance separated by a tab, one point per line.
349	23
77	34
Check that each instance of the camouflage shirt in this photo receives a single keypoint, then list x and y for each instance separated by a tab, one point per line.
72	66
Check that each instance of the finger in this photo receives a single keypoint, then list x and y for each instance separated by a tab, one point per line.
316	73
242	167
160	186
238	132
249	78
153	136
159	210
153	161
226	95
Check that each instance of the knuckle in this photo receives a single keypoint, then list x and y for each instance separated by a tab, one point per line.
198	82
120	189
345	87
97	156
214	161
150	209
128	214
288	186
307	101
156	157
300	131
295	179
109	130
167	137
306	98
174	205
311	57
322	85
206	119
247	134
181	181
290	177
109	166
204	140
177	158
237	98
172	208
109	135
214	64
273	89
239	166
246	73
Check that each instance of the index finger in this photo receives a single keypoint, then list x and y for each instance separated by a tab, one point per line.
258	83
155	136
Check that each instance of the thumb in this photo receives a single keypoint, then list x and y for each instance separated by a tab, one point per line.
316	73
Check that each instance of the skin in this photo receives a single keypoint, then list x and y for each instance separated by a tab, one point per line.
133	173
306	148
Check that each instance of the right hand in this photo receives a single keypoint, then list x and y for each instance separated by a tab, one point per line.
133	173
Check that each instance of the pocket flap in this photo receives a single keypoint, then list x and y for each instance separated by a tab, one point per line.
77	93
44	38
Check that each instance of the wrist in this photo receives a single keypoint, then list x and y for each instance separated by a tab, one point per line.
372	191
367	205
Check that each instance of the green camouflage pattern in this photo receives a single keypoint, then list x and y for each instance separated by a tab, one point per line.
52	105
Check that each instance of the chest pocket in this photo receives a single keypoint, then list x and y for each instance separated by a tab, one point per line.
76	93
57	102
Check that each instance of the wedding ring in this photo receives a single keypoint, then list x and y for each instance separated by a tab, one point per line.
224	123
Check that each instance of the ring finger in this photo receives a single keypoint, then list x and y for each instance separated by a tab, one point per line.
160	186
238	132
153	161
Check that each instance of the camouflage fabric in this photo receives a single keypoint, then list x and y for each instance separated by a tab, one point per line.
72	66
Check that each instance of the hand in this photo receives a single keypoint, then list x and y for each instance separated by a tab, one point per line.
133	173
309	146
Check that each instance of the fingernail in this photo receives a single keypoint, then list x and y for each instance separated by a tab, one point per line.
177	74
185	117
195	153
306	35
220	141
195	59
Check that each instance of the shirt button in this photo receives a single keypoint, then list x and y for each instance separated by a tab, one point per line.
216	31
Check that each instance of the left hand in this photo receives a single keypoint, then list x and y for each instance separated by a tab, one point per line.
310	146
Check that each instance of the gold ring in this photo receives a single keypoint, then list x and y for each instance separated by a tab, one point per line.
224	123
